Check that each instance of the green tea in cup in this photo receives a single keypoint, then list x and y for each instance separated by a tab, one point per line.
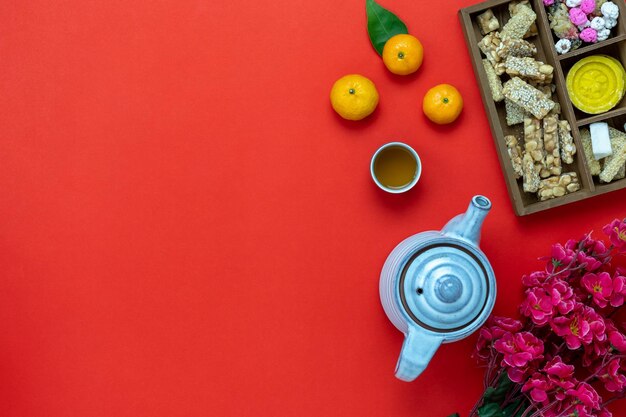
395	167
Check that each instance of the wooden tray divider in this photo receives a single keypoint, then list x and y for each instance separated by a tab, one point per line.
601	117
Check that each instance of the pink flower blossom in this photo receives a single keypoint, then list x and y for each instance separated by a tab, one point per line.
595	247
619	291
600	287
537	305
519	349
590	262
560	374
548	2
611	378
589	35
577	16
590	246
561	296
482	351
574	329
517	375
596	324
616	231
569	303
594	352
588	6
560	259
615	337
586	395
578	410
502	325
537	384
494	329
535	279
572	244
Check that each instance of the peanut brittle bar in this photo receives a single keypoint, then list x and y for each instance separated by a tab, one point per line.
515	154
566	142
488	46
558	186
533	142
487	22
531	176
551	146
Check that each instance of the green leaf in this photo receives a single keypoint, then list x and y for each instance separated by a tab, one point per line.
490	410
510	409
498	393
454	415
382	25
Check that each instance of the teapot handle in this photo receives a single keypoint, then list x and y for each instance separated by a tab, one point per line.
418	349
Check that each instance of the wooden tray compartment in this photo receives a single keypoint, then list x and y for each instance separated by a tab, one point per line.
527	203
616	122
616	50
618	33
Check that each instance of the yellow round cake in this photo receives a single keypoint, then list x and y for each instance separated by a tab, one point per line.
596	84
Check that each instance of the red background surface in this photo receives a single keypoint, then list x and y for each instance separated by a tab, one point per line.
188	229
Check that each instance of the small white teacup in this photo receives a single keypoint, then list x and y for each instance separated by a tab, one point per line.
395	167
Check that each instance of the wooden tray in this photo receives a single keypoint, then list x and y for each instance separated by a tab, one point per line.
527	203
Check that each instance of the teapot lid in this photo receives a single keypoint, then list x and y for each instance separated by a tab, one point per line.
444	286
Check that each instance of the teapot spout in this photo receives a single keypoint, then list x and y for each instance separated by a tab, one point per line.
467	226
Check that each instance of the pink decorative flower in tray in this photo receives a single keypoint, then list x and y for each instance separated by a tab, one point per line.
581	21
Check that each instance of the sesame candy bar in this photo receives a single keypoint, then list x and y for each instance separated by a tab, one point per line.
594	166
495	84
514	7
533	142
558	186
527	97
515	154
613	164
529	69
531	176
566	142
616	134
487	22
514	47
621	173
514	113
547	91
519	24
551	146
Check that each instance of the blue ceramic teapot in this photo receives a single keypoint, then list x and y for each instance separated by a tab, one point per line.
438	287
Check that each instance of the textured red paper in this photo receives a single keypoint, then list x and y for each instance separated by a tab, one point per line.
188	229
